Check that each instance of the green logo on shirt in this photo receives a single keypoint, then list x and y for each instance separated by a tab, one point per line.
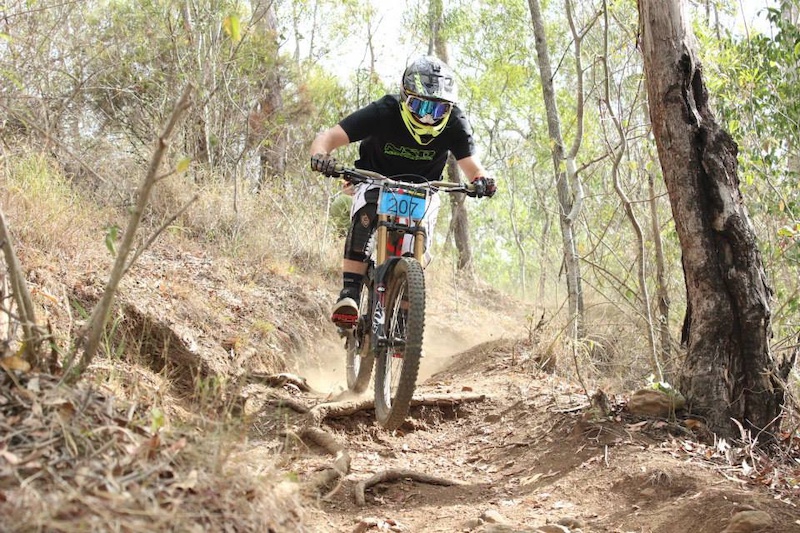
415	154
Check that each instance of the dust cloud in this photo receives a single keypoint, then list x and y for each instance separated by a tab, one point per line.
441	346
323	363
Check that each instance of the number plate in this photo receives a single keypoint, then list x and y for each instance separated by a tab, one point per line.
402	203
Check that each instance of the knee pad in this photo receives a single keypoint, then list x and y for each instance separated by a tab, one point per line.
363	224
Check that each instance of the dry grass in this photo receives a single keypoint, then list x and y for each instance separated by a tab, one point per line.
43	209
81	460
282	228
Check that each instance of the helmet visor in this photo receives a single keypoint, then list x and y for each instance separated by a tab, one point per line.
422	107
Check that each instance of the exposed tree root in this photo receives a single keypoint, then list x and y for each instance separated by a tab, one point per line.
253	398
341	463
312	433
342	409
395	475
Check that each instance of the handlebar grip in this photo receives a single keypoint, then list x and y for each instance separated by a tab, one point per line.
451	186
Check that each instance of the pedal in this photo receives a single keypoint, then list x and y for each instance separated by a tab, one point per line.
344	321
345	313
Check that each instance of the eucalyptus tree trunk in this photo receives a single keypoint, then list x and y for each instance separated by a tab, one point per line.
543	244
570	195
729	372
459	221
641	259
198	131
790	12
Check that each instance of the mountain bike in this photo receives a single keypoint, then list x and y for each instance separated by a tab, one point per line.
391	319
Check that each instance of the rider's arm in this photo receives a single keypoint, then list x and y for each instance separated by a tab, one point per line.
329	140
472	168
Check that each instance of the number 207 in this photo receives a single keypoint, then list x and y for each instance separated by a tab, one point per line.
403	205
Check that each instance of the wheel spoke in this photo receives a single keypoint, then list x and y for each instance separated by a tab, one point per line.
360	360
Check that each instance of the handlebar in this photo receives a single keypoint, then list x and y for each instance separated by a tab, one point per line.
357	175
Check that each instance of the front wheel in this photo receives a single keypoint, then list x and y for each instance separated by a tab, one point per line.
360	359
398	362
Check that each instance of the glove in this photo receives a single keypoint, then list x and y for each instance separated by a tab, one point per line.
483	187
324	163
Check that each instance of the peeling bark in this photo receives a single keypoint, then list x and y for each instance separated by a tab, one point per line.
729	372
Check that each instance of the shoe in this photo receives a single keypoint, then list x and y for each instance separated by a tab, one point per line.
345	312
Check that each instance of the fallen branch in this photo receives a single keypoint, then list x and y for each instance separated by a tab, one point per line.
395	475
343	409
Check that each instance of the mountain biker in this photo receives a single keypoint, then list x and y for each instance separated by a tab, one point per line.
410	133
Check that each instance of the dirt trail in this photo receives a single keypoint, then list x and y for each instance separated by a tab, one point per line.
531	455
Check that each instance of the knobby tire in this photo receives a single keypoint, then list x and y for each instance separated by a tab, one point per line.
396	377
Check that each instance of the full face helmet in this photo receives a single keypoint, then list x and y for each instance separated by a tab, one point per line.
427	97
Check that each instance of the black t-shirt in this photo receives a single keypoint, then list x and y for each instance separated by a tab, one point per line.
387	146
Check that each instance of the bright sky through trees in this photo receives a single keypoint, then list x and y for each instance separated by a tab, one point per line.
392	47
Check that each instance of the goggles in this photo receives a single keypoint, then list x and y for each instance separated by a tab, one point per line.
422	107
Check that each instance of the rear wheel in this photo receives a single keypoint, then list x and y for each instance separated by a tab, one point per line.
398	362
360	359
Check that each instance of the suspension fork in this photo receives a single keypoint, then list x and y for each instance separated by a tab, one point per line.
420	238
382	240
378	307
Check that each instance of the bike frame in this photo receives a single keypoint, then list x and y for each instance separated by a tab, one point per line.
390	326
387	226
